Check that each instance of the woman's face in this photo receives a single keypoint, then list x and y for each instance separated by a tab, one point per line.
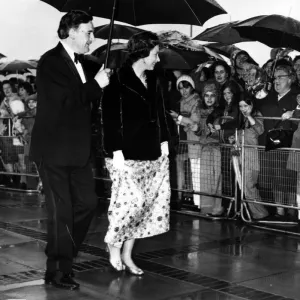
296	67
220	74
228	95
22	93
202	76
240	59
151	60
210	98
32	104
185	89
268	69
251	77
245	108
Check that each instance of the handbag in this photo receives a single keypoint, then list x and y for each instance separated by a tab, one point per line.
278	138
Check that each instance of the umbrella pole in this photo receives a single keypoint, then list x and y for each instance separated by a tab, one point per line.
110	34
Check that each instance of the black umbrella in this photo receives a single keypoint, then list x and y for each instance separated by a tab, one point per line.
223	33
222	49
140	12
119	31
272	30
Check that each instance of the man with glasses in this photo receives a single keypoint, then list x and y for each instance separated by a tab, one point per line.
61	144
279	103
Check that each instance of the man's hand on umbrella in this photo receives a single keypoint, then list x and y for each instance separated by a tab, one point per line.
102	77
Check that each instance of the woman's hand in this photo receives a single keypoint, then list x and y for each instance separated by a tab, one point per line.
118	160
193	127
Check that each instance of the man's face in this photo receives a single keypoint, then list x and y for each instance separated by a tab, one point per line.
7	90
83	37
282	82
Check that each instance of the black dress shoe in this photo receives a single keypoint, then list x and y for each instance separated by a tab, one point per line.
64	282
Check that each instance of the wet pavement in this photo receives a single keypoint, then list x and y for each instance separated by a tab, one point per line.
196	259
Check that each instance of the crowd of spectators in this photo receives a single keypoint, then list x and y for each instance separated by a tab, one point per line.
18	102
197	102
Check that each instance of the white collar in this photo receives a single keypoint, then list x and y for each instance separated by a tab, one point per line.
281	96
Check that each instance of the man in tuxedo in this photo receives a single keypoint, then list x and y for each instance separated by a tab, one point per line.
61	144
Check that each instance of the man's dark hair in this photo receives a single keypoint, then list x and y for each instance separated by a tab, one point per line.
70	20
140	45
27	87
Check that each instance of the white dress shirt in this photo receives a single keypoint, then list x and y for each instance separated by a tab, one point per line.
78	64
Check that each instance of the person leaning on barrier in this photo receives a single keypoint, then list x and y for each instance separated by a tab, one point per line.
281	102
189	113
252	127
61	143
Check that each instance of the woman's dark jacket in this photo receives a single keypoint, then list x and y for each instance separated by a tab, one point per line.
134	118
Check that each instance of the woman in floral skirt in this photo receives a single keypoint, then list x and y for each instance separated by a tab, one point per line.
136	148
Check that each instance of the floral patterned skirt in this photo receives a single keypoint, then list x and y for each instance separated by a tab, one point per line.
140	200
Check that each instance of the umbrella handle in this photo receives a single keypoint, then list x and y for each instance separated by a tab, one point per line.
110	34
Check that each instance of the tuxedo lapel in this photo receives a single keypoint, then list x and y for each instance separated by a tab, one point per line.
69	61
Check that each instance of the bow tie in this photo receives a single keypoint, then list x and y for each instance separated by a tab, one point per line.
78	58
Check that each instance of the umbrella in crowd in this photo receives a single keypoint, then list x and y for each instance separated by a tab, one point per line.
18	65
119	31
272	30
184	42
140	12
222	49
2	55
223	33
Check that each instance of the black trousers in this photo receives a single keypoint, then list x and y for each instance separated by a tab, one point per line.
71	202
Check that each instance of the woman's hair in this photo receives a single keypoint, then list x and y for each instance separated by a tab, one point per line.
140	45
27	87
220	63
206	72
70	20
236	95
248	99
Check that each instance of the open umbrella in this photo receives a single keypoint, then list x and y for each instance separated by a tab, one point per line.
141	12
222	49
272	30
18	65
223	33
119	31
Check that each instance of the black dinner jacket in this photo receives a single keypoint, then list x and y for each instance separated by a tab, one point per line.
62	130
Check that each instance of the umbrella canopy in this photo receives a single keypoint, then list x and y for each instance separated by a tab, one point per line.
119	31
18	65
170	57
222	49
223	33
141	12
182	41
272	30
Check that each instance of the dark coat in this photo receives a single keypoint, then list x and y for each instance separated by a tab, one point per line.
271	107
62	131
134	117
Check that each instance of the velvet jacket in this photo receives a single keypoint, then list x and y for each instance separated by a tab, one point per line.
62	131
134	118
